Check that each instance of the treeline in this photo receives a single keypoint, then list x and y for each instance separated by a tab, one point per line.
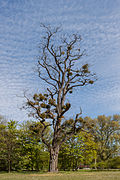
96	146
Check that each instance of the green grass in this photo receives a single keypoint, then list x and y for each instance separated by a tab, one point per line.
101	175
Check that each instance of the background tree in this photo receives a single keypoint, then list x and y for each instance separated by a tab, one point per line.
34	156
106	132
61	67
9	145
78	150
3	124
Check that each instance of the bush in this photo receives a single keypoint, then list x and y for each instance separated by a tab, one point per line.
114	163
102	165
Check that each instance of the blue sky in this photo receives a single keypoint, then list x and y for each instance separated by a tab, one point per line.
98	22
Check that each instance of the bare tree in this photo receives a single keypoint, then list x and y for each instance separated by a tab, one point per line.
60	66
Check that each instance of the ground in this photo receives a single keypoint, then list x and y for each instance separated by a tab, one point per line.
99	175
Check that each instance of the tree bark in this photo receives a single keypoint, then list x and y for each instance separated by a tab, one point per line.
9	166
53	163
95	163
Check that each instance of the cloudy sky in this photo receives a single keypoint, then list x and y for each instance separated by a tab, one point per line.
98	22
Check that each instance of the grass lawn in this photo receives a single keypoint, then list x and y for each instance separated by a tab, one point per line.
101	175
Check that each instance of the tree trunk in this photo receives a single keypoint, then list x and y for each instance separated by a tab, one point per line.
95	163
9	162
9	166
53	163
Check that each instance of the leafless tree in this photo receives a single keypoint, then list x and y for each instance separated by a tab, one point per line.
60	65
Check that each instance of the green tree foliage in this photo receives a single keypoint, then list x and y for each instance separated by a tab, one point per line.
9	145
33	152
106	132
2	144
21	146
79	149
